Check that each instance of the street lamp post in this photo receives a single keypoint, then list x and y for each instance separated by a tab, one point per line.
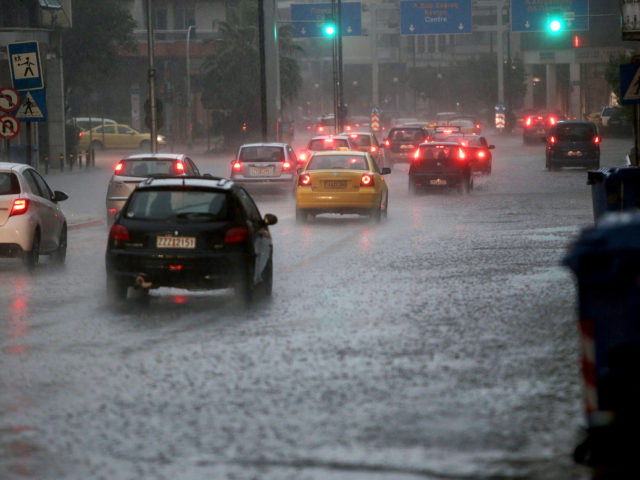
189	132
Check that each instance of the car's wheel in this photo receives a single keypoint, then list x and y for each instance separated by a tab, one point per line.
145	145
96	145
376	213
60	254
116	288
301	215
32	257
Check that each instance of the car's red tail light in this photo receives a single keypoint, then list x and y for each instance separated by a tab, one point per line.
366	180
321	129
19	206
236	235
477	126
175	268
119	233
328	140
304	180
596	140
552	120
416	154
286	166
552	139
464	143
302	158
481	154
373	149
237	167
387	143
119	166
528	121
179	167
461	154
347	128
79	134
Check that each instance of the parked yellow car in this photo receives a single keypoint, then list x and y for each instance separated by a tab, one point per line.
342	182
115	136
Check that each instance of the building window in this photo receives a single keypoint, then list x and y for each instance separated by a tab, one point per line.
184	16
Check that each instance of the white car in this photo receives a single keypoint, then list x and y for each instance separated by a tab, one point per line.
31	221
132	170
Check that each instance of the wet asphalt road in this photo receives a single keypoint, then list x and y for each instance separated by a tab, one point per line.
441	344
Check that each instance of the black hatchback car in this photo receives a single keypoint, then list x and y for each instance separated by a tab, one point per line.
573	143
192	233
441	165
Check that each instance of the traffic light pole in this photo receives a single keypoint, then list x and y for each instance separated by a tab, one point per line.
340	116
152	81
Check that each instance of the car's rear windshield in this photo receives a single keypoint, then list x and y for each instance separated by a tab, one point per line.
146	167
182	204
261	154
439	152
361	140
9	184
407	135
320	145
575	132
338	162
461	123
469	141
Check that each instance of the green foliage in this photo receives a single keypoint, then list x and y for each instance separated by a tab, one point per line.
91	47
231	87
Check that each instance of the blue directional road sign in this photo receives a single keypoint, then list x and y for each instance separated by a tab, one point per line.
435	17
532	16
26	70
308	18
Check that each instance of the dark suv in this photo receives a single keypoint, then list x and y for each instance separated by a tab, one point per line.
441	165
573	144
536	126
402	142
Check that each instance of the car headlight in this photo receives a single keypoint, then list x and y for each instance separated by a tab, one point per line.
160	138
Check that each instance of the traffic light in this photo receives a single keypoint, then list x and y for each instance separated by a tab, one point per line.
329	26
555	24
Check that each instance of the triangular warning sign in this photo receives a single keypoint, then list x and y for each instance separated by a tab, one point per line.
29	108
633	92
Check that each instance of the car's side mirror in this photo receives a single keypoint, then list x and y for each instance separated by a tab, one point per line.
270	219
386	171
59	196
491	147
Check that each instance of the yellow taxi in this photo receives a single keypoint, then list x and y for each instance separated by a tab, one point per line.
115	136
341	182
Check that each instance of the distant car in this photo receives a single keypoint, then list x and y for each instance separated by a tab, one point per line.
359	123
31	221
116	136
87	123
442	133
535	126
322	143
342	182
466	124
402	142
190	233
478	150
131	171
325	125
367	142
440	165
607	113
272	164
573	143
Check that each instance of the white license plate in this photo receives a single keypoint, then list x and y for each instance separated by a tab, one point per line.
176	242
261	171
438	181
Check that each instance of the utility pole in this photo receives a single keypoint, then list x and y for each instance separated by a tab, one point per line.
189	123
152	81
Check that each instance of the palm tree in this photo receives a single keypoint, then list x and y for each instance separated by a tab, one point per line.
232	73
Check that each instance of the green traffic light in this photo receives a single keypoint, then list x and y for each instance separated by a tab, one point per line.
555	25
329	30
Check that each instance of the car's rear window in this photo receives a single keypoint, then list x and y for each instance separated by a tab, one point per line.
338	162
462	123
439	153
575	133
407	135
145	167
183	204
361	140
321	145
9	184
261	154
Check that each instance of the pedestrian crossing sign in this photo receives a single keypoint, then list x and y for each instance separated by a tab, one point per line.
33	106
630	83
26	69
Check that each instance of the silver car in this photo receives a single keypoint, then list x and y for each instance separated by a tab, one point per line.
132	170
31	221
273	164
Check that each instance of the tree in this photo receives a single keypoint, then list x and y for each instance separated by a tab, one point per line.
91	47
232	73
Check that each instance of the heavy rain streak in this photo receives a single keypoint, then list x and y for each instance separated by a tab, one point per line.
303	240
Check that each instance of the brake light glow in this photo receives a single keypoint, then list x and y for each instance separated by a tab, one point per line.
416	154
461	154
79	134
552	139
464	143
373	149
366	180
175	268
528	121
179	167
119	167
303	157
477	126
353	135
481	154
119	233
328	140
387	143
286	166
321	128
347	128
19	206
596	140
237	167
304	180
552	120
236	235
